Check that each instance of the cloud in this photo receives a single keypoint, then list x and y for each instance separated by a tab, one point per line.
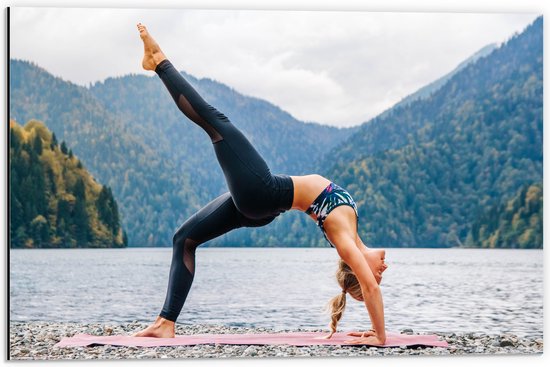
338	68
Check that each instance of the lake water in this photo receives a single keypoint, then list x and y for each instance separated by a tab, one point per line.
444	290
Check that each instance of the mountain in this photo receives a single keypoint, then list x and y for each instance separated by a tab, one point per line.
424	172
288	145
161	166
111	150
54	201
427	90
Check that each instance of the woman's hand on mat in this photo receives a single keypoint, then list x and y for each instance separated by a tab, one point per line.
363	334
370	340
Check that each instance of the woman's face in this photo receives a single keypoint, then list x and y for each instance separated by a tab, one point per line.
376	260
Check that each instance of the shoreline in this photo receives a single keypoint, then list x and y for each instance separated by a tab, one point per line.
36	340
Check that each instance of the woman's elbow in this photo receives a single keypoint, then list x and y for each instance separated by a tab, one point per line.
371	289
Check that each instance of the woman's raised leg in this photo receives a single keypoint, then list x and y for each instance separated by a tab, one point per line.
245	171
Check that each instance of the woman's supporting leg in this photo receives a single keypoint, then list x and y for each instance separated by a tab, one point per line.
216	218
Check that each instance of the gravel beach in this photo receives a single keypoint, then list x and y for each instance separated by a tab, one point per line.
36	340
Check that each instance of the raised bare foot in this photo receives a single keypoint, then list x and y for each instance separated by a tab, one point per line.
152	55
162	328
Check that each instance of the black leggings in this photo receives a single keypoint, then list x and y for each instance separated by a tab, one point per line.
255	196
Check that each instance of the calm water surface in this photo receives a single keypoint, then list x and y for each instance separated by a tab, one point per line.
446	290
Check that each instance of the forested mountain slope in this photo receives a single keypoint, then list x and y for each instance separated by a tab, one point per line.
55	202
110	149
514	223
427	90
161	167
424	172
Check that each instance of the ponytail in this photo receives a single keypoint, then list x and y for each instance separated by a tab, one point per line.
349	284
337	306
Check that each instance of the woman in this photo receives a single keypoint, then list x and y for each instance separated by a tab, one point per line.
255	198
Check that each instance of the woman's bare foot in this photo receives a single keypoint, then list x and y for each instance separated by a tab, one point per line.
152	55
162	328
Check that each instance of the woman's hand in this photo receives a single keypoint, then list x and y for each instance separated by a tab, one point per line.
370	340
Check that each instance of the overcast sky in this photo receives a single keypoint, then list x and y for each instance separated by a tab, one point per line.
334	67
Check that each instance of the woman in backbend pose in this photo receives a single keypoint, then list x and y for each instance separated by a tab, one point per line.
255	198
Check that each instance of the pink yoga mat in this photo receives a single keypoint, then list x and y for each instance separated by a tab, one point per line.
298	339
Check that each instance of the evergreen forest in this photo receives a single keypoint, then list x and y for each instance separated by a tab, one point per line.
54	201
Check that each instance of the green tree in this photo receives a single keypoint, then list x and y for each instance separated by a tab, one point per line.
15	140
39	230
53	143
82	231
63	147
37	145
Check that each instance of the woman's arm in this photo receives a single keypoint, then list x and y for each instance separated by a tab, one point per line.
372	295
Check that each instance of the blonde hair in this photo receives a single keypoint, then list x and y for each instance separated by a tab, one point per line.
349	284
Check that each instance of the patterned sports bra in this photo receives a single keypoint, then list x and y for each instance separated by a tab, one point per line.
332	196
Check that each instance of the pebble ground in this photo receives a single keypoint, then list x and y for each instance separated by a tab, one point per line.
36	340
